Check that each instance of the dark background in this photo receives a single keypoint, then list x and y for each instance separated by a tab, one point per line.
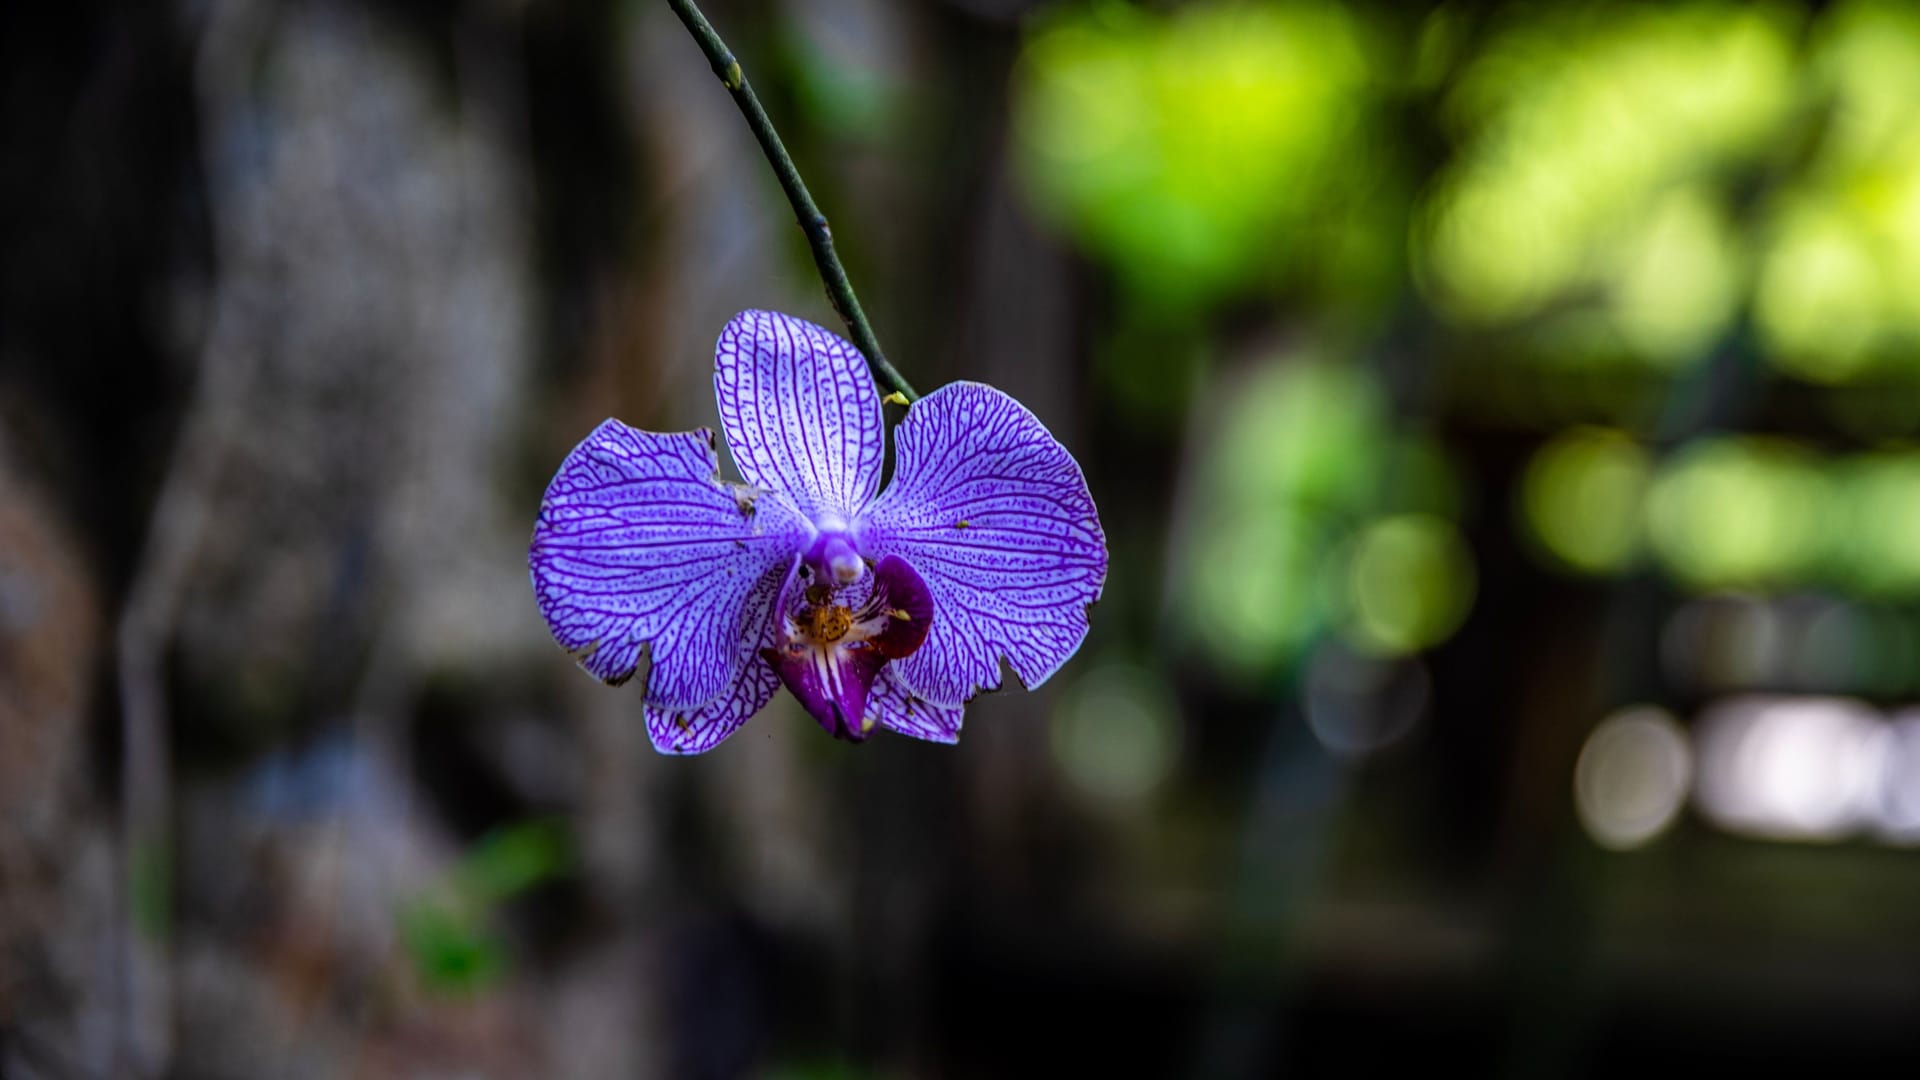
1502	419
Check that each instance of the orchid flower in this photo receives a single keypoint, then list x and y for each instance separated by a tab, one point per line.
874	609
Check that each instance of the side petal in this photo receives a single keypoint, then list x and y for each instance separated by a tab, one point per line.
800	413
995	515
893	706
640	543
698	730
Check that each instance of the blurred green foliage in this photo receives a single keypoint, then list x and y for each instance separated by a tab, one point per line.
1410	581
1875	523
1294	452
1624	180
1623	191
1837	296
1590	181
1729	512
1312	514
1738	512
452	935
1581	498
1217	150
851	90
513	859
452	952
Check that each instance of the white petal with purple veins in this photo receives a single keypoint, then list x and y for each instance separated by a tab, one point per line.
698	730
640	542
800	413
893	706
995	515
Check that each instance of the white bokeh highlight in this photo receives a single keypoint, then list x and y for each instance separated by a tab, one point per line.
1632	777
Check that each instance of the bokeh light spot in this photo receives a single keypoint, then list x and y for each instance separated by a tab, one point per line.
1116	733
1632	777
1732	513
1358	703
1791	768
1877	541
1677	277
1410	582
1581	498
1251	603
1819	302
1724	641
1898	808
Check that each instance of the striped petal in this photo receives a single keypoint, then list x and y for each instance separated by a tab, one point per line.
800	413
640	544
996	517
893	706
698	730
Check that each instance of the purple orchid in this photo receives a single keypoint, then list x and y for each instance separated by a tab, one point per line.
890	610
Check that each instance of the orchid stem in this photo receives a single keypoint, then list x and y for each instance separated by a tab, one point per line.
812	221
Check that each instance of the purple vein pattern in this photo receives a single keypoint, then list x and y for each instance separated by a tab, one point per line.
996	516
893	706
639	542
736	589
698	730
801	414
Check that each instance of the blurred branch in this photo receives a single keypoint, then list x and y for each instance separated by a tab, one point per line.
182	512
812	221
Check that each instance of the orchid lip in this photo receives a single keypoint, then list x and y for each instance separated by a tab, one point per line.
835	639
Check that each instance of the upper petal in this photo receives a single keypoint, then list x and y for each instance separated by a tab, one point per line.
800	412
639	542
995	515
